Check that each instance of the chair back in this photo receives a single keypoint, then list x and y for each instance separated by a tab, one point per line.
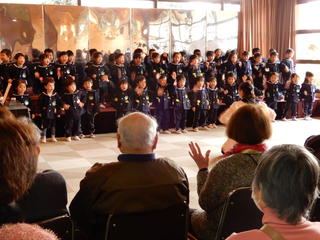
315	211
239	214
170	223
62	226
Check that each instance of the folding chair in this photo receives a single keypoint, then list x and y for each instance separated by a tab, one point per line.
169	224
239	214
62	226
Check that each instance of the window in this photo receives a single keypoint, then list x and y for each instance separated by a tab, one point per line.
119	3
189	5
48	2
308	39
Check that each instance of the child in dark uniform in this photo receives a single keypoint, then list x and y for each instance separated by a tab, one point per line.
91	98
272	65
210	66
22	97
5	56
193	71
64	72
292	97
257	71
118	70
136	68
141	100
307	93
181	105
122	99
200	104
99	72
244	67
230	90
42	71
175	68
219	65
19	71
287	66
49	53
231	65
273	91
162	104
49	106
72	105
155	70
214	100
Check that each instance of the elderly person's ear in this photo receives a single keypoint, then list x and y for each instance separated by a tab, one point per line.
155	142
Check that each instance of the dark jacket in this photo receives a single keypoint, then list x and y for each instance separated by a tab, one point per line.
200	99
96	69
293	93
90	98
49	105
181	99
122	100
214	95
128	186
273	92
311	91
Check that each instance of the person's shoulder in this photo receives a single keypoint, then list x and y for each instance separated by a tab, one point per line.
249	235
167	162
238	159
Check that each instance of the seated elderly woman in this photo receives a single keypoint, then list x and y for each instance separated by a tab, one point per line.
246	94
285	203
24	194
249	126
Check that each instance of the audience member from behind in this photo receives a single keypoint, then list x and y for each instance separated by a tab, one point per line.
138	182
24	194
285	204
23	231
249	126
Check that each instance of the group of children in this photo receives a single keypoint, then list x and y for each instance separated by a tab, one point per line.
150	82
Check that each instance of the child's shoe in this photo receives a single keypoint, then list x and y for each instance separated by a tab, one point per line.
184	131
76	138
195	130
43	140
294	119
68	139
53	138
91	135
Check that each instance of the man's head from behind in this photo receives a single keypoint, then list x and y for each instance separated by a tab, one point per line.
137	133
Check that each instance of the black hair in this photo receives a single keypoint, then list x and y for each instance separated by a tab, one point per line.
42	57
155	55
289	50
245	53
7	52
151	50
192	57
230	74
70	81
48	50
136	55
308	74
140	78
96	55
62	53
288	177
209	54
248	90
256	55
175	53
197	52
70	53
199	79
138	51
48	80
181	77
87	79
255	50
118	55
18	55
272	74
92	51
210	79
274	53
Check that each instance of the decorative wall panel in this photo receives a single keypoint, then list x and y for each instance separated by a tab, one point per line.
21	28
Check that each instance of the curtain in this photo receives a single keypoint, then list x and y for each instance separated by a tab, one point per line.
267	24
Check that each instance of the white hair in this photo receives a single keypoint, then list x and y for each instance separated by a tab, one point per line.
137	131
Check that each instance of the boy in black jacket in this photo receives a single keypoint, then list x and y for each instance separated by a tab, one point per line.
214	100
200	104
42	71
307	93
292	97
273	91
91	99
181	105
122	101
49	106
72	105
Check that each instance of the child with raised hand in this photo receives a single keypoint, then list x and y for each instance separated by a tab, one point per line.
307	93
72	104
49	105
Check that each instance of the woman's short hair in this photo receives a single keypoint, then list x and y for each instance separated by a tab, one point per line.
18	158
288	177
250	124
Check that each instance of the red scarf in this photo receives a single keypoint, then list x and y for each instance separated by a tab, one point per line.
240	148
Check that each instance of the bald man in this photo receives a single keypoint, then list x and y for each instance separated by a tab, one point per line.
138	182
